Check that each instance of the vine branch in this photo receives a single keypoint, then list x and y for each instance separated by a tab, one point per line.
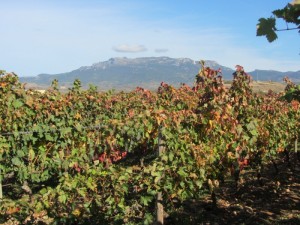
294	28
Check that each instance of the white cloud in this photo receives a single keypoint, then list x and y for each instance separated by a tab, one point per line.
130	48
161	50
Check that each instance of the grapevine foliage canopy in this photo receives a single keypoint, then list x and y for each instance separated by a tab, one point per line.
290	14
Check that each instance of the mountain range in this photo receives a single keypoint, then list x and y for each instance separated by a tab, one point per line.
148	72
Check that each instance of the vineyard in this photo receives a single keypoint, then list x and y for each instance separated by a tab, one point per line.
90	157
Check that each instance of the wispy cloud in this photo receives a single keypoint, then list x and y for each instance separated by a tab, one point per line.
130	48
161	50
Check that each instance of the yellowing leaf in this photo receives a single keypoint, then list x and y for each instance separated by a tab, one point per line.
76	212
77	116
31	154
29	101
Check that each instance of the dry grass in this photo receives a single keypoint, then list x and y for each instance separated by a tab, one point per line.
264	86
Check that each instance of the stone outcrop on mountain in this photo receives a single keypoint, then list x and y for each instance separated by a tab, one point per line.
148	72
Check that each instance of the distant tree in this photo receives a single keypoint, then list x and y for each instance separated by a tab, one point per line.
290	14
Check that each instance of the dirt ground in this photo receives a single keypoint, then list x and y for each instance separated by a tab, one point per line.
276	201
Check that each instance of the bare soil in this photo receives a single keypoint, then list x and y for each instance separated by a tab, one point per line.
274	200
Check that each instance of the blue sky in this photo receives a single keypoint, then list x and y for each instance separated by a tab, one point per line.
55	36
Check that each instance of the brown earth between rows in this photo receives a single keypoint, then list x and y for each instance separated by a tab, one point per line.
277	201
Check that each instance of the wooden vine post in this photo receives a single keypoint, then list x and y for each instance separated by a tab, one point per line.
296	145
1	193
159	198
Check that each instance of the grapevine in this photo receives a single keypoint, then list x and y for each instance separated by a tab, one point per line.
90	156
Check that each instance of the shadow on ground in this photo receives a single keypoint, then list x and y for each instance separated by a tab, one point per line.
276	201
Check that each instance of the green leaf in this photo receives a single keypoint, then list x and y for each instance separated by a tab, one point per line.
148	219
254	132
271	36
62	198
48	137
171	156
266	27
82	192
17	103
16	161
164	158
20	153
78	127
122	178
145	200
157	179
66	131
182	173
43	191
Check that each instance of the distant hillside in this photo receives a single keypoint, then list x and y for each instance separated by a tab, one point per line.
272	75
148	72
